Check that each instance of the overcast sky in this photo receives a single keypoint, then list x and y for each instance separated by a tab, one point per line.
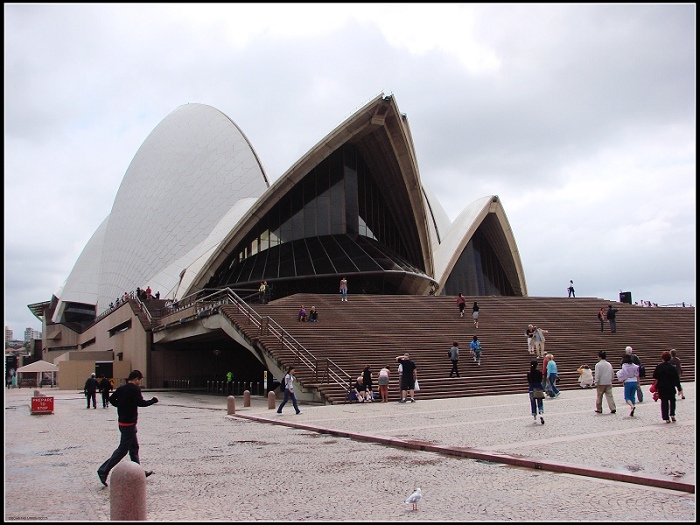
581	118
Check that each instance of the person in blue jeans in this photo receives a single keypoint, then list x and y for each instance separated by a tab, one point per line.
534	380
552	376
289	392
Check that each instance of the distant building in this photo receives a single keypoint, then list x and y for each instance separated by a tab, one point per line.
30	334
8	335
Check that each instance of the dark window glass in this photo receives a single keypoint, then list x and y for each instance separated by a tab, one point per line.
273	262
246	267
358	256
323	220
287	268
319	257
302	258
339	258
259	266
478	271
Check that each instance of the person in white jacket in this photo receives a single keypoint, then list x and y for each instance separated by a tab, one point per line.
629	373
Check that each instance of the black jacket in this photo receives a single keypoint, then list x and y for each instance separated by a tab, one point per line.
90	385
127	398
105	386
667	380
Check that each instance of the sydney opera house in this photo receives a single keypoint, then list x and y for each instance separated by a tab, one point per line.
196	213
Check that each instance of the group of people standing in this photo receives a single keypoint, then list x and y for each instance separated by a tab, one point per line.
363	388
608	316
92	385
535	340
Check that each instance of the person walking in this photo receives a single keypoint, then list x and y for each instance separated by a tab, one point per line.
90	390
602	317
629	373
127	398
530	334
603	383
642	372
383	382
552	374
538	340
453	354
344	289
675	361
570	289
461	304
545	381
610	316
105	389
475	314
536	391
289	392
667	383
475	347
409	375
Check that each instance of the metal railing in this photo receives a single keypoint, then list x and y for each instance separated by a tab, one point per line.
324	370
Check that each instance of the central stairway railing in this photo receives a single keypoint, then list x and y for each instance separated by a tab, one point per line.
324	370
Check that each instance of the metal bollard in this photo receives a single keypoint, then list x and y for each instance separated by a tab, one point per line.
271	399
231	405
127	492
246	398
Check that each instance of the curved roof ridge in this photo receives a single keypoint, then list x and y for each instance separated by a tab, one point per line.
461	232
380	113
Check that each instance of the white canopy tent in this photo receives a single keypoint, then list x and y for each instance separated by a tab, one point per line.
38	368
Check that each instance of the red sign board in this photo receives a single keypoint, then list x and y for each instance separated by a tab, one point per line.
42	405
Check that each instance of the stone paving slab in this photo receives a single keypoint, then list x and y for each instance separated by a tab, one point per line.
214	467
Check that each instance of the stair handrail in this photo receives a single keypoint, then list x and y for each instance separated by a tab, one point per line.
334	373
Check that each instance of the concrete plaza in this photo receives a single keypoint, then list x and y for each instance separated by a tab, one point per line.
358	462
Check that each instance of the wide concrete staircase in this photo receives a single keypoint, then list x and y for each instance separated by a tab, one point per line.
374	329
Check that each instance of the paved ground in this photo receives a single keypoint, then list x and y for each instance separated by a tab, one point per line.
214	467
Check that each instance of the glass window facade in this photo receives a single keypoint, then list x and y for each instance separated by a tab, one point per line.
334	221
478	271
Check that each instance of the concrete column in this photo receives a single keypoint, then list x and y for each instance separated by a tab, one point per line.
231	405
271	399
127	492
246	398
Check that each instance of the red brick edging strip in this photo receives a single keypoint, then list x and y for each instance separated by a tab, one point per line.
494	457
